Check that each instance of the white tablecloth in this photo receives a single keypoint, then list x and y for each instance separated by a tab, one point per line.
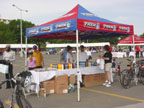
38	77
83	71
119	54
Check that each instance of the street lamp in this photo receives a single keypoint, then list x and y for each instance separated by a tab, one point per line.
21	10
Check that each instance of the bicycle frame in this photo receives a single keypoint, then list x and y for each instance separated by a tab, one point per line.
17	91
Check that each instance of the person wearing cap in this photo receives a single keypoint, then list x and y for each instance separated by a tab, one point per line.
31	61
9	57
69	57
82	54
39	57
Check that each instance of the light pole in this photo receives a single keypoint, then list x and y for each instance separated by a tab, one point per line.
21	10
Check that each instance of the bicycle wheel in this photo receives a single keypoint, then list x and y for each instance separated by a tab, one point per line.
22	102
126	79
121	74
1	105
141	77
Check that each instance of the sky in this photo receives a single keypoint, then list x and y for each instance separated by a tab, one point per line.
41	11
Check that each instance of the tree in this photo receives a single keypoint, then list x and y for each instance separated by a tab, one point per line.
14	27
10	33
142	35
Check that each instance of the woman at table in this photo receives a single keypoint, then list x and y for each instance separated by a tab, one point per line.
31	61
108	64
9	57
69	56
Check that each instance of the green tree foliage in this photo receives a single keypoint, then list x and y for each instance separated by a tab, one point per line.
10	33
142	35
14	27
5	33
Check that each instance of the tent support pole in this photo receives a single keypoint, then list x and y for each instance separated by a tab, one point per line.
26	46
78	70
135	77
134	49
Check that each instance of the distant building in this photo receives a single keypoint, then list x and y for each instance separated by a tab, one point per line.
5	20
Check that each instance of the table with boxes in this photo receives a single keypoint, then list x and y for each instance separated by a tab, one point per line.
57	80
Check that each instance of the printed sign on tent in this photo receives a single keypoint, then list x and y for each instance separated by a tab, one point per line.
46	29
33	31
63	26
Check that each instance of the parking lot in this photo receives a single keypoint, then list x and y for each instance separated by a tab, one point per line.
93	97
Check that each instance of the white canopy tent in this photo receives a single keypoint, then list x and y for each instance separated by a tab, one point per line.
74	45
18	45
141	44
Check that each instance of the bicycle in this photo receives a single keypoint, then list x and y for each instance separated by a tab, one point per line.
133	73
117	72
21	80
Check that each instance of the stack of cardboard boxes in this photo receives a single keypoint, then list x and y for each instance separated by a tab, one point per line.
58	85
93	80
61	84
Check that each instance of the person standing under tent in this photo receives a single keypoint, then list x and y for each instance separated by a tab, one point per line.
9	57
130	48
82	54
63	55
108	64
141	50
69	57
39	57
89	54
110	48
100	62
137	51
0	52
127	51
31	61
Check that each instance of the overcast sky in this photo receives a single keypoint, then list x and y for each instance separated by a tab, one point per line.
41	11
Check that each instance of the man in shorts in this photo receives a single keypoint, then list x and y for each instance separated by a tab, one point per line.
108	64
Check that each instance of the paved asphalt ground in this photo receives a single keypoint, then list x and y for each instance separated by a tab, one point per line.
94	97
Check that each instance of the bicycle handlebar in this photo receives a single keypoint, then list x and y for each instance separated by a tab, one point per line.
19	78
3	82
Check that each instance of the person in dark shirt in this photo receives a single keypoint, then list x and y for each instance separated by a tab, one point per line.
108	64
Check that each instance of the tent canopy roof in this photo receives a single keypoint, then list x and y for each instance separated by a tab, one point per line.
89	25
79	12
129	40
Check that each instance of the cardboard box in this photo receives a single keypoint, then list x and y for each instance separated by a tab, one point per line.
72	79
42	92
49	86
91	80
61	84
